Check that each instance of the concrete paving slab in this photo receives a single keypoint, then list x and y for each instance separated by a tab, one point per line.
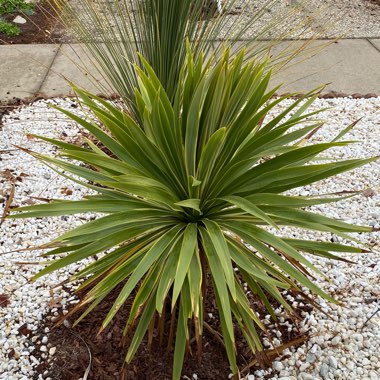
74	64
350	66
376	43
23	69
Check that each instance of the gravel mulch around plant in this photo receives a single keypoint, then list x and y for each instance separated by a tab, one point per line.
344	346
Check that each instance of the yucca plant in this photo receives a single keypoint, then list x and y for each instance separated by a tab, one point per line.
189	200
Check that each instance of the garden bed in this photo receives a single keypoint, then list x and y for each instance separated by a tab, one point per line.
343	346
40	27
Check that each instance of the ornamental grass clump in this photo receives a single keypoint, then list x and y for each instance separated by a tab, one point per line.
189	199
114	32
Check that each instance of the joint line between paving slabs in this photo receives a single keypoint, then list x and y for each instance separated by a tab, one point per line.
48	69
373	45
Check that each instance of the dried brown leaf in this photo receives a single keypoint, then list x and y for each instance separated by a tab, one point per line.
4	300
55	302
23	330
8	202
274	353
368	193
66	191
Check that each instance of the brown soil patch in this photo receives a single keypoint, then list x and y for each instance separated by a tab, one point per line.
74	344
42	27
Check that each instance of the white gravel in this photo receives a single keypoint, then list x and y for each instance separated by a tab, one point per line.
324	18
299	18
345	347
30	301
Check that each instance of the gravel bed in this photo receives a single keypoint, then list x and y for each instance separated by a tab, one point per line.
344	347
325	18
289	19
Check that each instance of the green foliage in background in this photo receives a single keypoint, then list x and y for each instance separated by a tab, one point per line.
8	28
194	197
13	6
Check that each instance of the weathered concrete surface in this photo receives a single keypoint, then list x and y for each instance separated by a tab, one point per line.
349	66
73	63
376	43
23	69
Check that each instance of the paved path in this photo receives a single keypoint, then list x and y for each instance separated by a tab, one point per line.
349	66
